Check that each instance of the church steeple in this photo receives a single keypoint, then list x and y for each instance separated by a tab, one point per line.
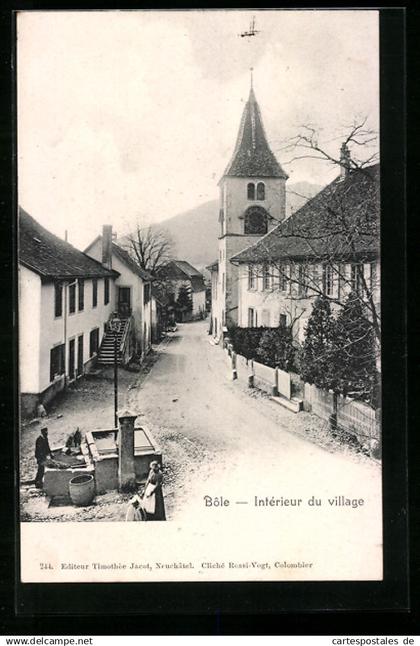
252	156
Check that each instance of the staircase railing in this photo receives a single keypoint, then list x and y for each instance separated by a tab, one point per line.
124	344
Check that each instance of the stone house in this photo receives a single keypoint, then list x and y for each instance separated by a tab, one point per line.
179	274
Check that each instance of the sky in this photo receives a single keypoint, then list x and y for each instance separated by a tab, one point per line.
132	116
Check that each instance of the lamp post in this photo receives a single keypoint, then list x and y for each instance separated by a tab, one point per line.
114	327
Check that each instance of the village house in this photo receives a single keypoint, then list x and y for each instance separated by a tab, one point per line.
133	299
65	301
330	246
180	275
252	202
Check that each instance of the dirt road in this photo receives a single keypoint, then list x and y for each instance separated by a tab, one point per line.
220	438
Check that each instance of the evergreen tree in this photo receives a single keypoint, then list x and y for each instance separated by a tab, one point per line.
319	352
184	301
356	364
276	348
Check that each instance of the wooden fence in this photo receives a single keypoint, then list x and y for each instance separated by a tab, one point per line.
354	417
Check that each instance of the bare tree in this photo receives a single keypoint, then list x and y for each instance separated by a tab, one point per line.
150	247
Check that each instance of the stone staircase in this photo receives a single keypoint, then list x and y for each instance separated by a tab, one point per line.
106	351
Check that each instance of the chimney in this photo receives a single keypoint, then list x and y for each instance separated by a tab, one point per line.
107	246
345	161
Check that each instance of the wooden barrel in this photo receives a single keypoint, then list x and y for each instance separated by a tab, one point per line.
82	490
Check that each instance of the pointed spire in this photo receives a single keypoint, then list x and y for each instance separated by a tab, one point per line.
252	156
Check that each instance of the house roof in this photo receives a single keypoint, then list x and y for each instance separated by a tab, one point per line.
252	156
321	226
214	266
51	257
182	270
125	257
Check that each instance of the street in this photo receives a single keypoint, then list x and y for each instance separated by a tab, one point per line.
223	439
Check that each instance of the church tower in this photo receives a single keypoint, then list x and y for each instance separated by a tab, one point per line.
252	202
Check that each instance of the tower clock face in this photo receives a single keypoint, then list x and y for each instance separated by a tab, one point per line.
256	220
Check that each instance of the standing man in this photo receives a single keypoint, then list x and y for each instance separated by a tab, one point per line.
42	452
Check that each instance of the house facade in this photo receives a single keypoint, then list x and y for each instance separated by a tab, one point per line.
330	246
252	202
180	275
65	301
132	289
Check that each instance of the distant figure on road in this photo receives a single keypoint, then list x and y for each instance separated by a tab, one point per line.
42	452
153	502
134	510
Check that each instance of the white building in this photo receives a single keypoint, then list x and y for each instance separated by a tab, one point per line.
65	301
329	247
132	287
252	202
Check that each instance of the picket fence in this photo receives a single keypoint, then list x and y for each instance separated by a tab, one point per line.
355	417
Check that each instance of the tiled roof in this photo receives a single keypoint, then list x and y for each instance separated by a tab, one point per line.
125	257
341	220
252	156
51	257
182	270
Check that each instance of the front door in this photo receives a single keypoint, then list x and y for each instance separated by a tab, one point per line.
80	355
124	301
71	360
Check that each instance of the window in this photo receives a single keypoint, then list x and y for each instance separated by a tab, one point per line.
93	341
266	277
256	221
106	291
282	320
251	191
260	191
252	278
81	294
223	282
72	298
283	278
58	299
146	293
94	292
251	317
57	363
357	273
328	281
302	281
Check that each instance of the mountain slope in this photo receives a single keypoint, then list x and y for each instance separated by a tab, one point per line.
195	232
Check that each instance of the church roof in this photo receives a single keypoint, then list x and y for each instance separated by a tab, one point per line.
252	156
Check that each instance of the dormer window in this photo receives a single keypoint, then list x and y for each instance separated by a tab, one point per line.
260	191
251	191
